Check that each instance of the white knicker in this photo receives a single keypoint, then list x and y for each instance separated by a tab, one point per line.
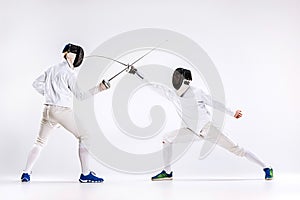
54	116
209	133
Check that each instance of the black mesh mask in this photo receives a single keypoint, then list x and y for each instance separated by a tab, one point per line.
179	75
71	48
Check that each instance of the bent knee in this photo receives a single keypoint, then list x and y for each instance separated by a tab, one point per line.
167	141
81	139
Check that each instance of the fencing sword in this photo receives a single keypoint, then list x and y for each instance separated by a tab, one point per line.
107	83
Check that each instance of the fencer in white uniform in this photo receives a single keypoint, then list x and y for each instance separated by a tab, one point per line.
58	86
191	105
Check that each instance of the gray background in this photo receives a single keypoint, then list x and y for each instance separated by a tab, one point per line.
254	45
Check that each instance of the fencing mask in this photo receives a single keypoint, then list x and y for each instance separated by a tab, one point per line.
77	50
181	77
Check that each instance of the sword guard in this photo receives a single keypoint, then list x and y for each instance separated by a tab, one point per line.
106	84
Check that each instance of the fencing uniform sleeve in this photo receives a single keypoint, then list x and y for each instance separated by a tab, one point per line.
39	84
206	99
79	93
160	89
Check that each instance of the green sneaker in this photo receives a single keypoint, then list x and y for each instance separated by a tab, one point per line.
162	176
268	173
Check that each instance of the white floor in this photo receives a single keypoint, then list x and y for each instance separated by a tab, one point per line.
287	187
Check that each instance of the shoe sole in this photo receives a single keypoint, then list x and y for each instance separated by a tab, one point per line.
25	180
162	179
86	181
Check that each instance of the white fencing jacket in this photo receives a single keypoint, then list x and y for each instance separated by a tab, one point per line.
58	85
191	106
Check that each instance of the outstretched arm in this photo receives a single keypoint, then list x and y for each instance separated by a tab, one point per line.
162	90
171	95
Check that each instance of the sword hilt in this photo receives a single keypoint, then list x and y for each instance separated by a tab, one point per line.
106	84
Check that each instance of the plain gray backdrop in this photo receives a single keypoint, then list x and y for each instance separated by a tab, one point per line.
255	46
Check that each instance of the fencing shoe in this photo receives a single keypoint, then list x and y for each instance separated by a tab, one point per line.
268	173
90	178
25	177
162	176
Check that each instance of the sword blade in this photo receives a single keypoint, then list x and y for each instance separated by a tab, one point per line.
148	52
117	74
99	56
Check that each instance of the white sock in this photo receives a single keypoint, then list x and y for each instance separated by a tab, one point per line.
32	158
167	156
252	157
84	159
